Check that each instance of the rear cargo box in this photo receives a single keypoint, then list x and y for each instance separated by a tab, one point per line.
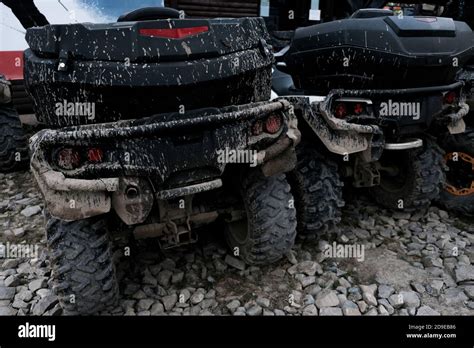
135	69
386	52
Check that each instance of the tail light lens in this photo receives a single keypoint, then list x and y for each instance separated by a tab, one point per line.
73	158
174	33
95	155
345	108
273	124
68	158
340	111
450	97
358	108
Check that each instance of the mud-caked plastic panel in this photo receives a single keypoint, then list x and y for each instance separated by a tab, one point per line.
127	75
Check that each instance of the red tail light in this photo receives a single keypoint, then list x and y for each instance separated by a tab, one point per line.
68	158
174	33
273	124
450	97
340	111
95	155
358	109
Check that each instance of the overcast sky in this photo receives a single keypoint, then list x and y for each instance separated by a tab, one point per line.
95	11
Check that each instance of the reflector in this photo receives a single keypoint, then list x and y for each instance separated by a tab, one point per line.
68	158
273	124
450	98
94	155
174	33
340	111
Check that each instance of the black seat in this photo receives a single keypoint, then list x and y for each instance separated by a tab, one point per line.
149	14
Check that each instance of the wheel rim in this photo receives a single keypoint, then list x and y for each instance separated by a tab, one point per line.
460	177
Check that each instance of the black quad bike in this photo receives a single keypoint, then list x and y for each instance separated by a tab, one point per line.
161	126
373	93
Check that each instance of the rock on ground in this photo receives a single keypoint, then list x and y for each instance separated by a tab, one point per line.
408	268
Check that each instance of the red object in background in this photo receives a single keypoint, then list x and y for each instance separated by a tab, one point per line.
11	64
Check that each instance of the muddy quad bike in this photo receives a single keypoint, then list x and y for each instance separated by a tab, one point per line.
13	141
165	126
458	192
376	92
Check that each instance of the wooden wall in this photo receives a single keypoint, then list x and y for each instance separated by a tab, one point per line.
216	8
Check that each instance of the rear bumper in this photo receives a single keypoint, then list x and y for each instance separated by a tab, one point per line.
160	155
433	114
348	136
339	136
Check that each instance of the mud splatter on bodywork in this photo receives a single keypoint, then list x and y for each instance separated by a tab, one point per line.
161	114
129	75
379	53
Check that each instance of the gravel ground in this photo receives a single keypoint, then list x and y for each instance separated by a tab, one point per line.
413	264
